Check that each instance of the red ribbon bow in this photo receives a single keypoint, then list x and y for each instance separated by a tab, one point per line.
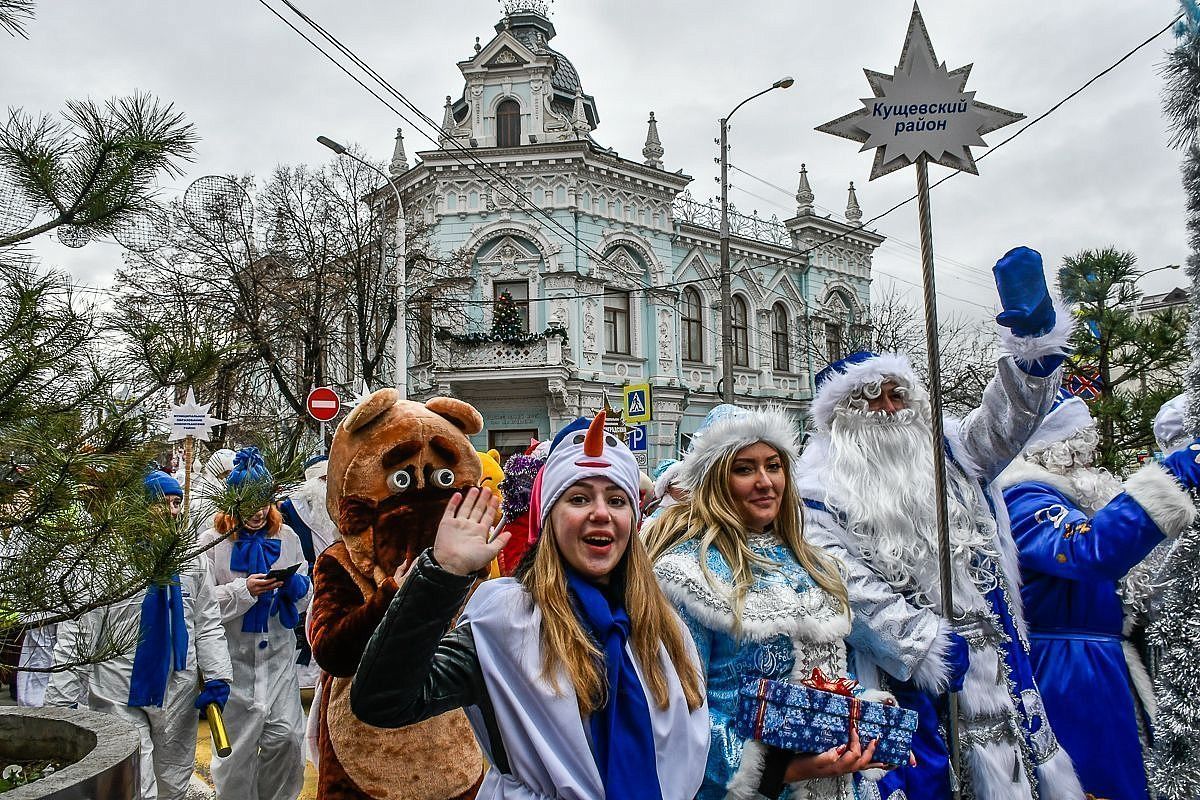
822	682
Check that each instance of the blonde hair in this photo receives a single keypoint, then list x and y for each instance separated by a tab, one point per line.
224	523
567	645
709	516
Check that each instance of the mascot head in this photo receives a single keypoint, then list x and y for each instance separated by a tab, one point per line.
393	466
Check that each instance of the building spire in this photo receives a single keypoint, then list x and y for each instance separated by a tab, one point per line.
579	121
804	194
653	151
853	212
447	123
399	163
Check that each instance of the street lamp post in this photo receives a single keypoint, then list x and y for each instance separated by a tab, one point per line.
400	376
1156	269
726	293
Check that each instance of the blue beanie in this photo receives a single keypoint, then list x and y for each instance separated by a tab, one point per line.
317	459
248	467
160	485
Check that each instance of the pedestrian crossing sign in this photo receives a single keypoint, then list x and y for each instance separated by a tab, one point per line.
637	402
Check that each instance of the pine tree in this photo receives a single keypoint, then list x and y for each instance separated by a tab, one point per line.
1139	359
506	319
1175	760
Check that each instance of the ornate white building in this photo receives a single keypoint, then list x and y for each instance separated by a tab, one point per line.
614	251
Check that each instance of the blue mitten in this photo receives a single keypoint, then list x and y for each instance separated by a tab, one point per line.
1021	281
296	586
214	692
958	658
1185	465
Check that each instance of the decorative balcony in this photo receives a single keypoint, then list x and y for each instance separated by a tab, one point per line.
480	351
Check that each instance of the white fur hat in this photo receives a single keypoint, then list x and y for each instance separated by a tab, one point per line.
1068	416
842	378
728	429
1170	424
219	462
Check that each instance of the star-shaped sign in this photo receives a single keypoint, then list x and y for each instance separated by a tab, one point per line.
920	109
190	419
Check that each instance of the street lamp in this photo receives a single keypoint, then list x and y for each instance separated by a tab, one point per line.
726	295
1156	269
400	377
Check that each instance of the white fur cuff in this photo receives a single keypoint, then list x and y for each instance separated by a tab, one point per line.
1162	498
933	673
1028	349
744	783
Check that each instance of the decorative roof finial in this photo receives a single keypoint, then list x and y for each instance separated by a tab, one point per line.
478	46
399	163
526	6
804	194
653	151
447	123
579	121
853	212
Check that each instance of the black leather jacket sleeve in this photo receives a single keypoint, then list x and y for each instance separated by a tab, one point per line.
413	669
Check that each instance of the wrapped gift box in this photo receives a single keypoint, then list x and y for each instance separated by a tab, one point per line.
819	713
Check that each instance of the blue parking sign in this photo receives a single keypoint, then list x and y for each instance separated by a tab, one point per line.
636	438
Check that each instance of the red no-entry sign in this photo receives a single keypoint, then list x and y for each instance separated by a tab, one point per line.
323	404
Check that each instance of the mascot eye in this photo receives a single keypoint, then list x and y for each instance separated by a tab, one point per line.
578	438
443	478
399	481
610	441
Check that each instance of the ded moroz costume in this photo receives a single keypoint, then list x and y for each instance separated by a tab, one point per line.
869	499
1078	531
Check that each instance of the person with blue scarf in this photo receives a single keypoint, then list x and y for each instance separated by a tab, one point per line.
155	687
575	674
264	716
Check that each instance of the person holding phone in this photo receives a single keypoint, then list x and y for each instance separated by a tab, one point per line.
264	716
576	675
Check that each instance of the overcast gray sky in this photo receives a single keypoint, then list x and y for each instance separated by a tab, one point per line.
1097	172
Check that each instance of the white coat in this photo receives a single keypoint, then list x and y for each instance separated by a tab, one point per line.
263	716
168	747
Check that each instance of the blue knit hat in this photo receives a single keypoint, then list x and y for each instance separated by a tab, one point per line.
248	467
159	485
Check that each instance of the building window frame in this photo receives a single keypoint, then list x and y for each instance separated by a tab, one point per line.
740	313
781	340
617	338
692	326
520	298
508	123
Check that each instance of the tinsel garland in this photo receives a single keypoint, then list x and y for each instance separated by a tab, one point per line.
1174	768
517	486
492	336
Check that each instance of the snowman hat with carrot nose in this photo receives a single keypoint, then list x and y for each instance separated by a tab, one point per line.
582	450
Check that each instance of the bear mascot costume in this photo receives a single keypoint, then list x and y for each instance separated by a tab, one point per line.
393	466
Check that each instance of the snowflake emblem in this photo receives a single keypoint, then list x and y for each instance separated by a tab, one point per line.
190	419
921	109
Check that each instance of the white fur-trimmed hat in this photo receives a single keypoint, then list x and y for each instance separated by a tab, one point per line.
1068	416
842	378
728	429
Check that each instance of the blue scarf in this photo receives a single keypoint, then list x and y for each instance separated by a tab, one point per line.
622	736
253	553
162	644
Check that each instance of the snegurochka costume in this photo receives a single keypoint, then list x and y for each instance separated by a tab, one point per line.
156	688
535	740
788	626
900	641
1079	531
263	716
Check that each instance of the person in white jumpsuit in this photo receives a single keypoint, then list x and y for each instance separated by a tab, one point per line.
37	654
210	481
263	716
131	687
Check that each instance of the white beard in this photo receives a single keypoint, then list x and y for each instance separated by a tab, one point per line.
880	475
1092	488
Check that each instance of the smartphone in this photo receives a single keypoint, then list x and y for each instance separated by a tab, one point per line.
283	574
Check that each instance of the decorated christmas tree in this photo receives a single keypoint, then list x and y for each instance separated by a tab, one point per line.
1175	761
506	319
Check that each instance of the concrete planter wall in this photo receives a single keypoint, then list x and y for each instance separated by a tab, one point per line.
105	750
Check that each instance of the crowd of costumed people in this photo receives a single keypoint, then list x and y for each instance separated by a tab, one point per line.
761	617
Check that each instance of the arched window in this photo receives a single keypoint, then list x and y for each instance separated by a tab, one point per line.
508	123
741	337
693	327
833	342
780	339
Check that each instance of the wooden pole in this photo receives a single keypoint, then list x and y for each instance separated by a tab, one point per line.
939	457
